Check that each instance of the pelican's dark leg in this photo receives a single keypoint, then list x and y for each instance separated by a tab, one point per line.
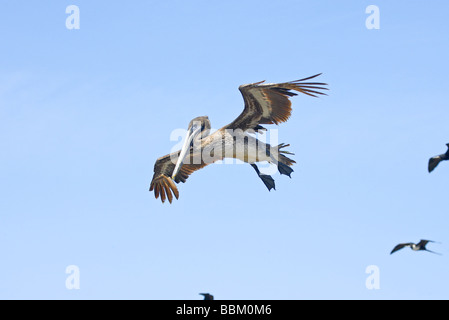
266	179
284	169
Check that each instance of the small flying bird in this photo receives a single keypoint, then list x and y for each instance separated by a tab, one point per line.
264	104
207	296
421	246
435	161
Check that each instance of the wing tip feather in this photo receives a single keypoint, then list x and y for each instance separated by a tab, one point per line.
164	187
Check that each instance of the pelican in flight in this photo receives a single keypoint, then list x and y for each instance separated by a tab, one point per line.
435	161
421	246
264	104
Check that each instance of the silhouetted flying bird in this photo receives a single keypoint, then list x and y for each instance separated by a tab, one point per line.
421	246
207	296
435	161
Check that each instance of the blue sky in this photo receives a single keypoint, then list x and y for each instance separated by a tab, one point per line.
85	113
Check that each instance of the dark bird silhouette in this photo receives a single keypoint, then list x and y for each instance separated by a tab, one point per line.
265	104
435	161
207	296
421	246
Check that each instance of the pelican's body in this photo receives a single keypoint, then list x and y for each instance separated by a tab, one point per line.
264	104
237	145
421	246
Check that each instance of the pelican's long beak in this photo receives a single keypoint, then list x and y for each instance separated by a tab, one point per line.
191	134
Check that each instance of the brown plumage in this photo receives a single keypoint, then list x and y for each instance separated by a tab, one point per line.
264	104
162	184
270	104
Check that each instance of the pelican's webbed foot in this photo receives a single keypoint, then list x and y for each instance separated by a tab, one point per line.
284	169
266	179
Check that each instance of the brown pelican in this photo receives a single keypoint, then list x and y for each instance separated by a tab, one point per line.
264	104
435	161
421	246
207	296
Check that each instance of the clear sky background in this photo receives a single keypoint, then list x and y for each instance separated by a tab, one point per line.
85	113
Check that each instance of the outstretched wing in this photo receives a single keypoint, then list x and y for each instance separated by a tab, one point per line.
424	243
270	103
162	183
400	247
434	162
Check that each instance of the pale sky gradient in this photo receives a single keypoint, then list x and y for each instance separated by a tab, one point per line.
85	113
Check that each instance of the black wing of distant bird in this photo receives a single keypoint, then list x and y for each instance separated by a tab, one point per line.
400	247
434	162
207	296
423	243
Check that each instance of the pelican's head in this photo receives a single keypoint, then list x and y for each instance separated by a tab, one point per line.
201	123
198	129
